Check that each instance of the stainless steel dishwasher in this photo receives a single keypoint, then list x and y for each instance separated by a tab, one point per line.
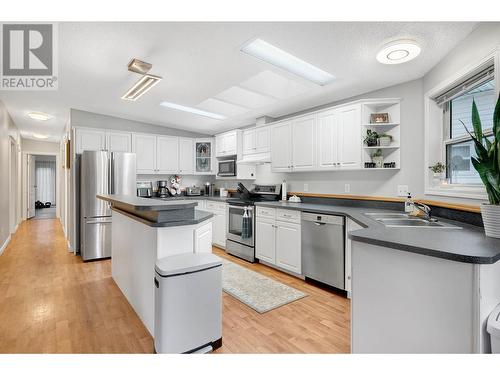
323	250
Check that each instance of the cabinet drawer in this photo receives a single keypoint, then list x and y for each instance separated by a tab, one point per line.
290	216
266	212
216	206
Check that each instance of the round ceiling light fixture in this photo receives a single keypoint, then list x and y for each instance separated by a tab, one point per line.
40	136
398	52
39	116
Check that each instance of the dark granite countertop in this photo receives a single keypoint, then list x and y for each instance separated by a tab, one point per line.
156	212
192	197
468	244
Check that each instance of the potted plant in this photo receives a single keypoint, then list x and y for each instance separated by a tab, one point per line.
378	159
385	139
371	138
438	170
487	164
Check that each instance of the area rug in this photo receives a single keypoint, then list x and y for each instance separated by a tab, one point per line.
255	290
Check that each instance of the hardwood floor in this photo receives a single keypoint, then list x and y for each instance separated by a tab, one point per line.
52	302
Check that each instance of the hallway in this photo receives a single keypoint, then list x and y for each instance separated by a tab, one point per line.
52	302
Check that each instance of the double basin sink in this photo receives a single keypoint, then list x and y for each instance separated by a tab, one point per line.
401	220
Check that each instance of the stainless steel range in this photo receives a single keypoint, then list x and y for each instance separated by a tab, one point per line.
241	218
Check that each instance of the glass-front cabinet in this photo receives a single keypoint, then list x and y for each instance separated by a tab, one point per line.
203	151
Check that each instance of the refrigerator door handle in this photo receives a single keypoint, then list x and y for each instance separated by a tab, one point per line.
111	176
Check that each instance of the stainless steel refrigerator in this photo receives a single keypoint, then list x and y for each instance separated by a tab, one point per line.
102	172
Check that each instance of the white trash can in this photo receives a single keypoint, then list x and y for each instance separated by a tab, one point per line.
493	328
188	303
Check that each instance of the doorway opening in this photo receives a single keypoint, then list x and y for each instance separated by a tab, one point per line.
42	186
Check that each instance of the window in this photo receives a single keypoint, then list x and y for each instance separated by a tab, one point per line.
457	108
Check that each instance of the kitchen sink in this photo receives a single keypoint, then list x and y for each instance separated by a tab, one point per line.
401	220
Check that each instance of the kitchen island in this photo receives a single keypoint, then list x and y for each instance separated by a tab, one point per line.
145	230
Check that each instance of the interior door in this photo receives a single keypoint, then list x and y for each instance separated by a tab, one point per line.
31	186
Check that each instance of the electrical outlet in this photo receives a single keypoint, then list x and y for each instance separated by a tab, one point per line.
347	188
306	187
402	190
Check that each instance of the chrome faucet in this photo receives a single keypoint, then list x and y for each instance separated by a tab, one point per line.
426	210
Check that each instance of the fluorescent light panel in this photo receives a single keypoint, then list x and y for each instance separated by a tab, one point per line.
39	116
192	110
273	55
141	87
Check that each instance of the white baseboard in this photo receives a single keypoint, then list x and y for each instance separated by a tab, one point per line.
5	244
70	249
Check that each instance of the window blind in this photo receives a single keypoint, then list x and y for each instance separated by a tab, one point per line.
477	79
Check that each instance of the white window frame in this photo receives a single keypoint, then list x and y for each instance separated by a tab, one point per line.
432	121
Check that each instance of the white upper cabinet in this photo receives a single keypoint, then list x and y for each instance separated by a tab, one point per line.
204	158
227	143
281	149
144	147
186	156
349	128
263	139
90	140
167	155
327	140
118	142
304	143
249	141
256	140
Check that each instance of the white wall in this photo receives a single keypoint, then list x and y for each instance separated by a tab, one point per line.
379	182
7	130
31	146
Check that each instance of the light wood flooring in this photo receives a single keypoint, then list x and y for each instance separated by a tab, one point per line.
52	302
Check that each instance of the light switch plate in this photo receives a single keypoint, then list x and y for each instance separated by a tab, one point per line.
402	190
347	188
306	187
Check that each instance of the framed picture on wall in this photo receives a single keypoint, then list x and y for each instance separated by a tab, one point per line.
379	118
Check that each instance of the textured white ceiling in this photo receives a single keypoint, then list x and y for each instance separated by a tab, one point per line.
199	61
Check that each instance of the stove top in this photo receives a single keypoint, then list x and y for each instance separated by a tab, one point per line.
257	193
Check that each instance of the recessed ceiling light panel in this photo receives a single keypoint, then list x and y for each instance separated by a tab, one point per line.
40	136
398	52
141	87
39	116
192	110
273	55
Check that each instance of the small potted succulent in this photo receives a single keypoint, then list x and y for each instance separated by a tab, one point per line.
384	140
438	172
371	138
487	164
378	158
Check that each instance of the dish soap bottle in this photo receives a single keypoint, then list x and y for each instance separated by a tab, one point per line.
409	204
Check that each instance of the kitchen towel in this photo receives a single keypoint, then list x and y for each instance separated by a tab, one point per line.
246	226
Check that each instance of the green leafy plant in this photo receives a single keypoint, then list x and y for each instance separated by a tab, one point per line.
487	161
438	167
371	138
377	153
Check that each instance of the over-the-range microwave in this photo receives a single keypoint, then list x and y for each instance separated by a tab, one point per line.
227	168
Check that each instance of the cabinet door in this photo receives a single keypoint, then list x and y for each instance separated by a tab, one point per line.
281	151
118	142
265	240
186	156
203	239
327	140
204	159
304	143
220	144
263	139
231	144
219	229
90	140
144	147
349	139
288	246
249	142
167	155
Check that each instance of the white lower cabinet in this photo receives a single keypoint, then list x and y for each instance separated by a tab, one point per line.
278	242
218	222
265	240
203	239
288	246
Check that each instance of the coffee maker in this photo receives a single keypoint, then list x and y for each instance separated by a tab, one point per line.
163	189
